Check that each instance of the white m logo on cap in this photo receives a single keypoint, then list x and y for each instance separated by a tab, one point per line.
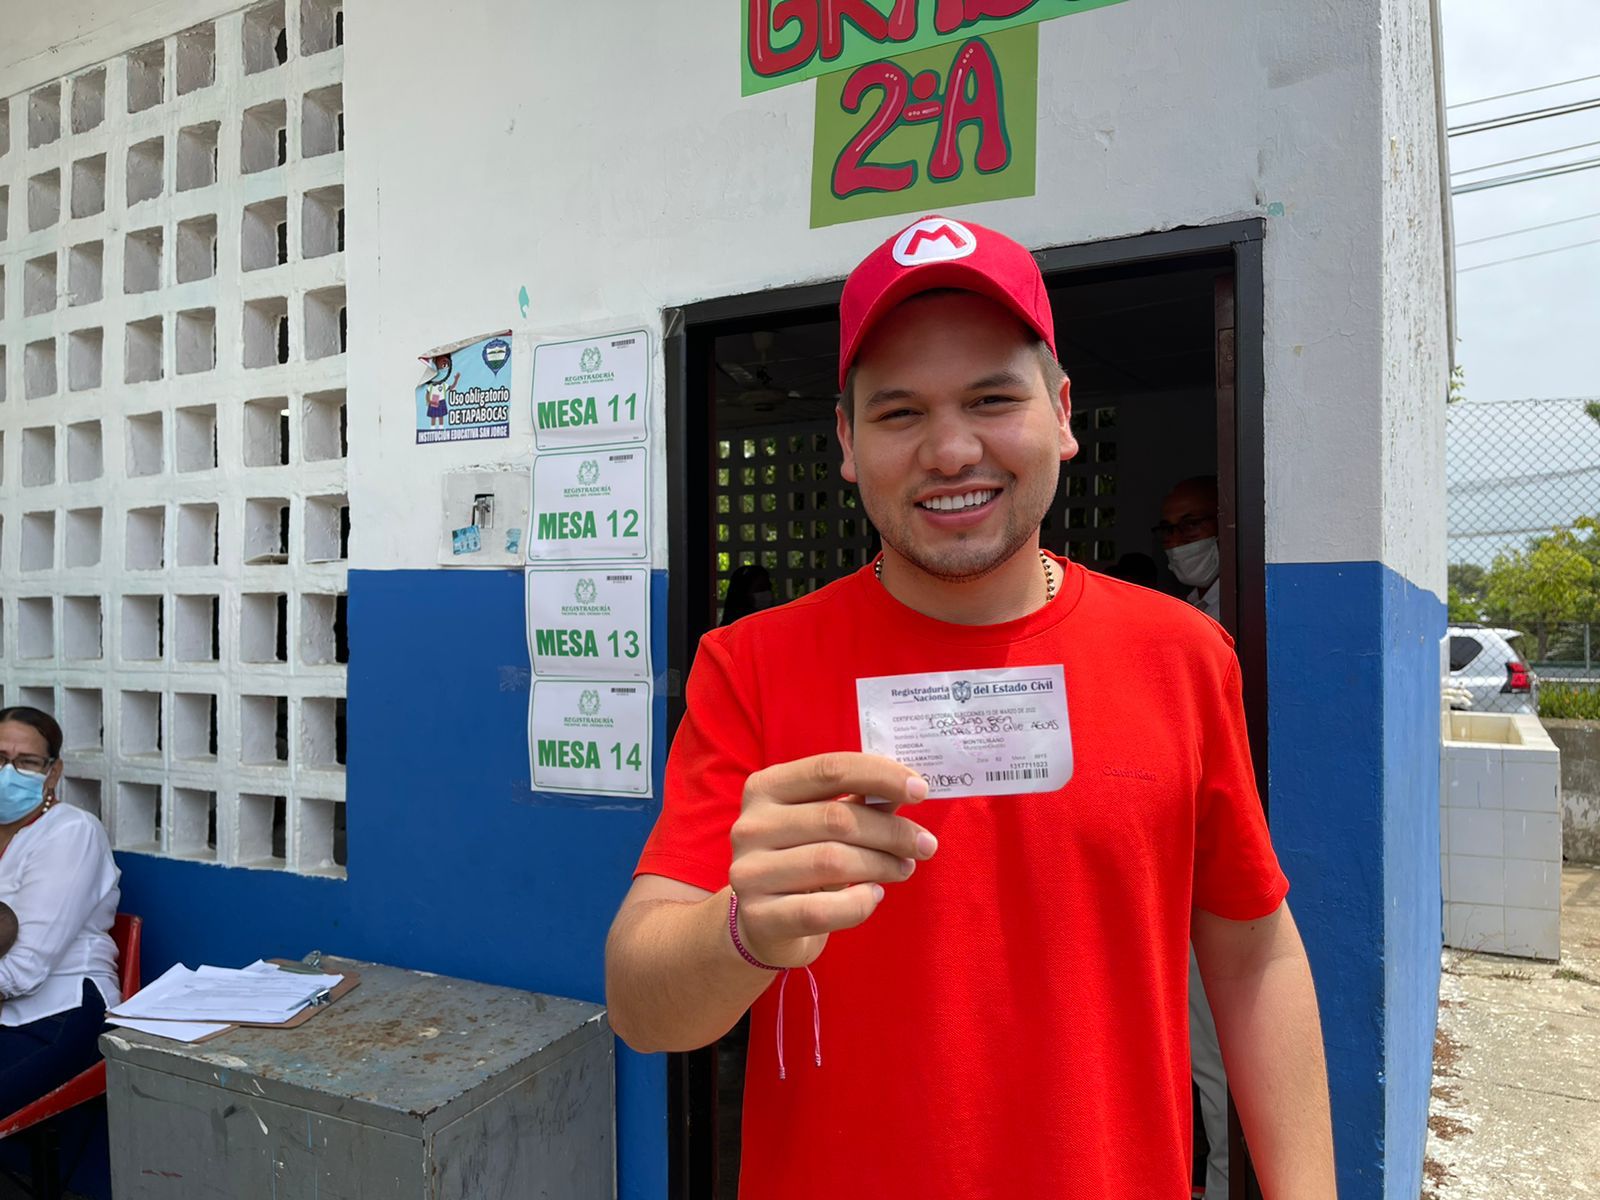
933	239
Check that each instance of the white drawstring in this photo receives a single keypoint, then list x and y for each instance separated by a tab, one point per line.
816	1019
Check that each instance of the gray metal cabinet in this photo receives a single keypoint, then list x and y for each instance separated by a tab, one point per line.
412	1086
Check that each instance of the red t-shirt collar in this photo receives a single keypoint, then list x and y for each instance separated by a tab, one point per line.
919	625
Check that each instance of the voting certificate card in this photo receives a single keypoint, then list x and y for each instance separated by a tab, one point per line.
997	732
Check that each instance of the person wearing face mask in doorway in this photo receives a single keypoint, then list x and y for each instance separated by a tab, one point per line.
60	885
1188	533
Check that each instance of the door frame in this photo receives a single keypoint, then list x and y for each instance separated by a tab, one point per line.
687	335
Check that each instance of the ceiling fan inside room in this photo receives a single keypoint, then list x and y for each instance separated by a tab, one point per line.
770	388
758	389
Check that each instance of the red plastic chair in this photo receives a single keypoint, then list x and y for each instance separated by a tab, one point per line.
125	932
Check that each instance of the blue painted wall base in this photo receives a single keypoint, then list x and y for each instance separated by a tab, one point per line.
455	866
1353	745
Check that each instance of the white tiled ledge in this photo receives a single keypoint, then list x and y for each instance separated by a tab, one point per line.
1500	836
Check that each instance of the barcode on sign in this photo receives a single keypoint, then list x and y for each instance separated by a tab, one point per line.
1015	774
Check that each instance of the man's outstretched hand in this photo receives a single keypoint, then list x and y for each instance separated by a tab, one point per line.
810	857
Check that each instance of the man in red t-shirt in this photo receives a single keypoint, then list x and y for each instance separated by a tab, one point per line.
992	998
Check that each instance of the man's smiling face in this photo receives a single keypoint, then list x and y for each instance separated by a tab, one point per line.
956	441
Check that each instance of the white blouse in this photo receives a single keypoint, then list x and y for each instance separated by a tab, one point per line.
58	876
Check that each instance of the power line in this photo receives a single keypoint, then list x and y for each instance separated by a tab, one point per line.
1500	262
1506	162
1480	533
1543	87
1494	237
1483	185
1537	114
1478	486
1470	405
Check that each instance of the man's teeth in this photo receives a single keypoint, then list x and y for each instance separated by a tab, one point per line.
955	503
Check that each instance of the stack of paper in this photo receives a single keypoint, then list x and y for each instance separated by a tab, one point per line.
208	999
176	1031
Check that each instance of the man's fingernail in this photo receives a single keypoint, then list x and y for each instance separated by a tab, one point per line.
877	892
916	788
926	844
907	865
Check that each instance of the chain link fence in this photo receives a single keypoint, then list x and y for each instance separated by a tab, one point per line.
1524	554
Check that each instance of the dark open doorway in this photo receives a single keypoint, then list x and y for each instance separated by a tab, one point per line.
1161	336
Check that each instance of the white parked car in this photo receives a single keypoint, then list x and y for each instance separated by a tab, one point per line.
1485	663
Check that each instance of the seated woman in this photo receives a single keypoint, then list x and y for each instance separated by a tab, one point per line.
59	881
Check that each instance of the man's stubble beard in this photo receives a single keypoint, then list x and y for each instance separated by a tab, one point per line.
961	562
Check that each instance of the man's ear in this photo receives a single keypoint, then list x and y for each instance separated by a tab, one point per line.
1069	444
847	443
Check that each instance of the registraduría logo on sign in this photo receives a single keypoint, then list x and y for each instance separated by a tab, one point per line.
591	369
580	488
589	702
585	600
961	691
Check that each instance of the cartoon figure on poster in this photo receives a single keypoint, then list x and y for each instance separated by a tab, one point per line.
465	392
438	392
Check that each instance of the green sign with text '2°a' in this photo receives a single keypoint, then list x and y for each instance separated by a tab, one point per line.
925	132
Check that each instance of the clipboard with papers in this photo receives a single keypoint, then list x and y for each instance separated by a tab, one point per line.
197	1005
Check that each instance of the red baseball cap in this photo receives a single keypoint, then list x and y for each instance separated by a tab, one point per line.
937	252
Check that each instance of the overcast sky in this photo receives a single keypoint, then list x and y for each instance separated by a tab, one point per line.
1527	328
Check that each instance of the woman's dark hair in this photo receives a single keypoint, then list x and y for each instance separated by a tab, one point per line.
39	720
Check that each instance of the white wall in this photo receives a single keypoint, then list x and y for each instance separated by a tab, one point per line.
152	470
1416	350
616	171
43	41
614	175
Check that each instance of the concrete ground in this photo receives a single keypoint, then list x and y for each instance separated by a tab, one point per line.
1516	1067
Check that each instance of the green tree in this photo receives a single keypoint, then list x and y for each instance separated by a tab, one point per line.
1465	595
1551	581
1463	610
1589	545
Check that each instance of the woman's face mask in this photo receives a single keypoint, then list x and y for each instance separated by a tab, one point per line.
20	793
1195	563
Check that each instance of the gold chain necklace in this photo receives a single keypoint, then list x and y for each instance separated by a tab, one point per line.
1044	561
